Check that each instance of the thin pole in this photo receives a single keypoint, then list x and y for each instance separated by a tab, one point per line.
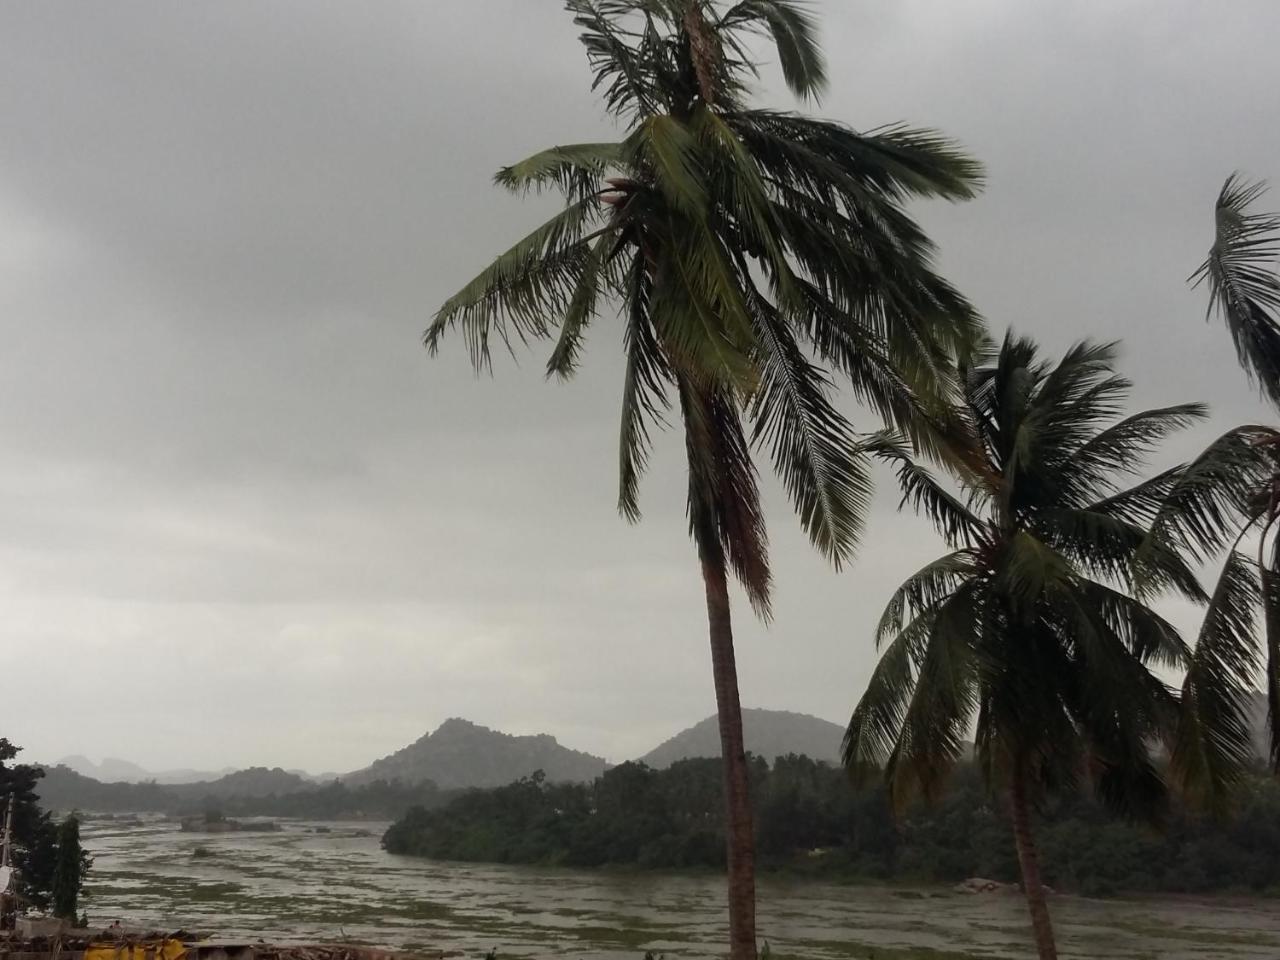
4	860
8	832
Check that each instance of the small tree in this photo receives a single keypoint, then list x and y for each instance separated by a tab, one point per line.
33	832
69	869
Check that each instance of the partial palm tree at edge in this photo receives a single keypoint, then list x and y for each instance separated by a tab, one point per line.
754	257
1231	495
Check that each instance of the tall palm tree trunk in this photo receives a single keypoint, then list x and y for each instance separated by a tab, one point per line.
1029	864
1271	619
739	837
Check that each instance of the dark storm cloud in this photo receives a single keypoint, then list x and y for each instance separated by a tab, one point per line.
229	463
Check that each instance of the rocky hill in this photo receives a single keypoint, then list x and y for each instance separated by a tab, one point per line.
464	754
768	733
252	782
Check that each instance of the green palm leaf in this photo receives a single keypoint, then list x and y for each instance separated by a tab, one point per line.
1244	285
793	30
1214	742
877	720
524	290
925	590
813	446
931	737
643	392
574	169
663	145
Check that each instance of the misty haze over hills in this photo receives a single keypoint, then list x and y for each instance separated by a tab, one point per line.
459	754
115	770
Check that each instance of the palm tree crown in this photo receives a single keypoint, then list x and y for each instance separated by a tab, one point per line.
1035	629
1233	493
751	253
1035	625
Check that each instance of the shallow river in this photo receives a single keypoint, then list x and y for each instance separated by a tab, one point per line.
301	884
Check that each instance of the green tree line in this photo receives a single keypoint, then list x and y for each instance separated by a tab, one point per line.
64	789
810	821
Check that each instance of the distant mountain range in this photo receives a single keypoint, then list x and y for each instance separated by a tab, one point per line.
768	734
115	770
458	754
464	754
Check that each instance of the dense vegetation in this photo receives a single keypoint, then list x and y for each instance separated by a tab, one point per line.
810	820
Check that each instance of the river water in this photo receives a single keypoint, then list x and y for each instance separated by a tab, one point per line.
302	884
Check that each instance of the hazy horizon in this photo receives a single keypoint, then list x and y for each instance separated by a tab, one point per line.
102	760
248	521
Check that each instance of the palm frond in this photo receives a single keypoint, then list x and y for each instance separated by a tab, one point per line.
525	290
813	445
574	169
1029	569
937	717
1214	745
1242	272
1201	506
1121	707
925	590
794	33
700	311
1091	470
1149	637
876	722
724	499
663	145
1122	551
617	57
644	397
580	311
894	162
954	520
735	180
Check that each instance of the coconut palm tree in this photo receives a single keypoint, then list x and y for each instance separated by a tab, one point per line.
1233	493
753	257
1035	629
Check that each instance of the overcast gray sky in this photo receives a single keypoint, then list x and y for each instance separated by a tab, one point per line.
244	519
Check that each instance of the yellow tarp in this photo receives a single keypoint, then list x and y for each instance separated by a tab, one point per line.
155	950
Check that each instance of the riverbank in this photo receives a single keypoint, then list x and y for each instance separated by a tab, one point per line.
298	885
59	941
809	821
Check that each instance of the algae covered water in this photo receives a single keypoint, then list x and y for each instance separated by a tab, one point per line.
328	881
